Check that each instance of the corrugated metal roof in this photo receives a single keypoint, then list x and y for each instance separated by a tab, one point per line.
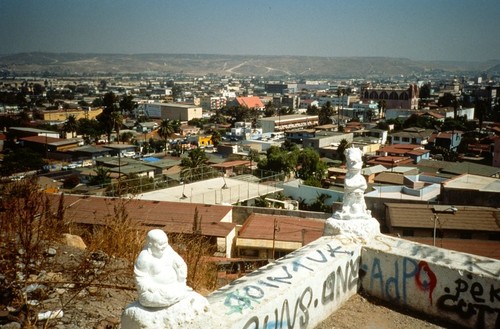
294	229
175	217
470	218
484	248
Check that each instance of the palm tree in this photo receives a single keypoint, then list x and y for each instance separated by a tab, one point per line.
381	107
344	144
193	165
71	125
216	138
325	114
117	119
165	131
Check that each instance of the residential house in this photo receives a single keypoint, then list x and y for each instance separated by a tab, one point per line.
250	102
173	217
453	169
472	189
62	115
265	236
390	161
411	136
287	122
415	152
468	229
446	140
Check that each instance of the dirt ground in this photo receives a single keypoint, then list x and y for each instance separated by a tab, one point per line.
362	313
107	289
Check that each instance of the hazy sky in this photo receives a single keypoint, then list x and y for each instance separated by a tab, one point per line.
421	30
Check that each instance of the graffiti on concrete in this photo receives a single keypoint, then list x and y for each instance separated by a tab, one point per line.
283	318
471	298
425	279
296	314
283	271
393	284
238	301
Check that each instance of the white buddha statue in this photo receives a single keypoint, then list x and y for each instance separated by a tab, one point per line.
160	273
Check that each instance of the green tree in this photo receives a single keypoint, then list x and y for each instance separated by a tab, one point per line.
279	160
218	117
108	119
90	129
253	155
421	121
381	108
165	130
21	160
127	104
177	92
194	165
270	110
447	100
425	91
344	144
216	138
101	177
450	124
126	137
309	165
312	110
117	119
71	125
325	114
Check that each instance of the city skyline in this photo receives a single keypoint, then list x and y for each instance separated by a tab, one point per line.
447	30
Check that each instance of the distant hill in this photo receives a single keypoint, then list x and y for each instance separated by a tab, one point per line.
341	67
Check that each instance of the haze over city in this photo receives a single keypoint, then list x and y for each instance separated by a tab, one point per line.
421	30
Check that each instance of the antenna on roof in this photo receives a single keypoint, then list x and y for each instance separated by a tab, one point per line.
183	188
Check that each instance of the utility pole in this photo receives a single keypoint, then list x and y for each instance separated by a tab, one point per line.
275	229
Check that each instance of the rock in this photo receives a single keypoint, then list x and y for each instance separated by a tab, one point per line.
73	241
51	252
108	323
12	325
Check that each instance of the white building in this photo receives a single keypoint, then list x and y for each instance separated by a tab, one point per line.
173	111
287	122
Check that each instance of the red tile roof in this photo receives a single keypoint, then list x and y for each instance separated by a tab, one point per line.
293	229
230	164
175	217
250	102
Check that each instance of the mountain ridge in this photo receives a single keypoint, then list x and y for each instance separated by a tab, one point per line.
243	65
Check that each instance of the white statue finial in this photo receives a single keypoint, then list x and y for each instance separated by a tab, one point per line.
353	204
353	219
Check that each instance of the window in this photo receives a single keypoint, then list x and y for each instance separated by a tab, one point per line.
406	139
466	235
494	236
249	252
408	232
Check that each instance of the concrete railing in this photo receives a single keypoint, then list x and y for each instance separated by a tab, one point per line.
307	286
458	287
297	291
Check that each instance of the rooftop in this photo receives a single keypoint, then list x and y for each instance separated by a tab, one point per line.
176	217
218	190
474	182
464	218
